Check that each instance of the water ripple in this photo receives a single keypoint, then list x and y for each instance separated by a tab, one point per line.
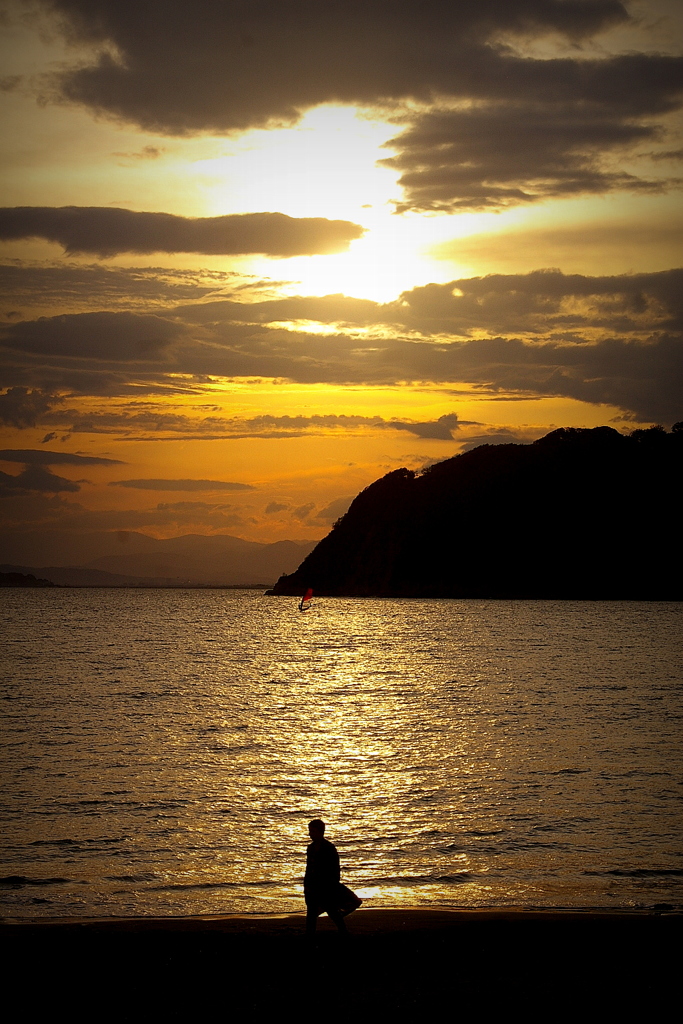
164	750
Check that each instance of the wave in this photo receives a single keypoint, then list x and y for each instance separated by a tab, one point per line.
17	881
78	842
409	880
146	876
180	886
638	872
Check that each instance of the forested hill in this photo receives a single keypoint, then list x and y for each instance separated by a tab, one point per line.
582	514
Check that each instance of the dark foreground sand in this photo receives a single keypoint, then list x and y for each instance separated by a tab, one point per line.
400	964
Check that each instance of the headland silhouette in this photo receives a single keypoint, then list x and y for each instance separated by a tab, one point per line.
584	514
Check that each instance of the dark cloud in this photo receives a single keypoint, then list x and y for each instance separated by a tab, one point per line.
303	511
35	478
110	337
153	421
95	377
511	128
544	303
504	154
159	422
108	231
20	407
335	509
8	83
676	154
213	66
181	485
329	514
539	303
441	430
614	340
77	288
146	153
38	457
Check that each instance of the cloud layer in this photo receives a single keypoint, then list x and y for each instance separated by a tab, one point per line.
155	422
20	407
107	231
42	457
181	485
511	152
488	125
215	66
614	340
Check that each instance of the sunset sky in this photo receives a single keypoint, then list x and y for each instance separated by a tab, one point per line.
257	253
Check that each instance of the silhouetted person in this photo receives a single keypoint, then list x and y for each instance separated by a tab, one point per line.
323	892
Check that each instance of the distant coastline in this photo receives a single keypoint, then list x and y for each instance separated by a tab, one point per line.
17	579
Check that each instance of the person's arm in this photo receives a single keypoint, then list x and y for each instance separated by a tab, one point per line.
308	872
334	864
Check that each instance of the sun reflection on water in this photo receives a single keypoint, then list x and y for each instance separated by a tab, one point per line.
462	753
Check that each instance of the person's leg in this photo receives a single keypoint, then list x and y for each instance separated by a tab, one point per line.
338	919
311	920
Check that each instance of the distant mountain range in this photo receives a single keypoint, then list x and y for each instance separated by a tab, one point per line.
578	514
136	560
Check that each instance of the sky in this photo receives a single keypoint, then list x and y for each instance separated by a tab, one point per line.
257	253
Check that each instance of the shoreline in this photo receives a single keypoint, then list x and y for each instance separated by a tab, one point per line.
365	921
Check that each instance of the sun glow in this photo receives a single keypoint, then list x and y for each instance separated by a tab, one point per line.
328	166
325	166
386	262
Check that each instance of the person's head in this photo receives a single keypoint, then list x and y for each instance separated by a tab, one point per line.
316	829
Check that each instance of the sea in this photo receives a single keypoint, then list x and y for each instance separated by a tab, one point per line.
164	750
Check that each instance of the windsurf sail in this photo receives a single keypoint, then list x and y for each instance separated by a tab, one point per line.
305	602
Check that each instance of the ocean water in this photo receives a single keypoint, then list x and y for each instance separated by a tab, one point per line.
163	751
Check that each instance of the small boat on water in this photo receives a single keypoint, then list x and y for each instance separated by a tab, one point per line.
305	602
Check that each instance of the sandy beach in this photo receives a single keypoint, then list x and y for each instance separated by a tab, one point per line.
545	964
